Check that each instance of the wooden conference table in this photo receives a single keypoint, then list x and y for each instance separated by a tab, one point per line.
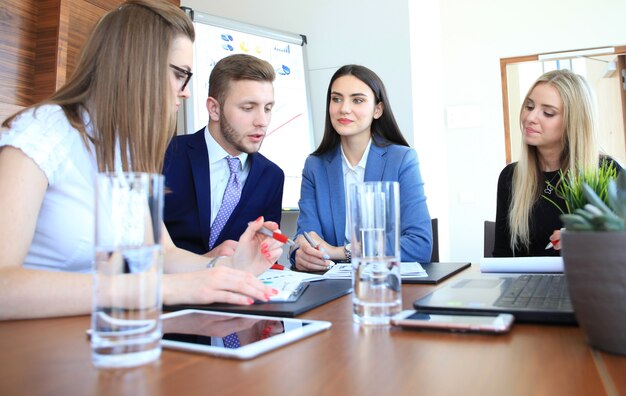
52	357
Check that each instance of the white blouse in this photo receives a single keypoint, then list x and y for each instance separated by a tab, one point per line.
64	235
352	175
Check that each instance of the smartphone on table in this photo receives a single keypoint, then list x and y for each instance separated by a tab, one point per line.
500	323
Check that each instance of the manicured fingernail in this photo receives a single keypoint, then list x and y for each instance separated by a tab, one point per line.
259	218
249	301
275	291
263	246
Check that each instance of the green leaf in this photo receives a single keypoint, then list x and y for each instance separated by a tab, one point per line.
594	200
585	214
617	194
576	222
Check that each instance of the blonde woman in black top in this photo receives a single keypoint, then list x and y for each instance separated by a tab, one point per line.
558	134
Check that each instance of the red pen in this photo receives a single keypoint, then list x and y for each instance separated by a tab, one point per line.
556	241
277	267
551	244
276	235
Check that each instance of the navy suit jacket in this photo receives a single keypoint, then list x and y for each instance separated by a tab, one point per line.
323	202
187	212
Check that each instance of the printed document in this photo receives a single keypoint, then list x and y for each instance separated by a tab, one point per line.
522	264
408	270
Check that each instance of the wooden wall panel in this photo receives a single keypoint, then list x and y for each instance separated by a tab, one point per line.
44	77
18	20
64	27
81	17
40	42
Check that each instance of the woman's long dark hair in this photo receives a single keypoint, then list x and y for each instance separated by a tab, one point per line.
385	130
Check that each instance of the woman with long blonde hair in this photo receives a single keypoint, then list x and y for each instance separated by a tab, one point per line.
558	124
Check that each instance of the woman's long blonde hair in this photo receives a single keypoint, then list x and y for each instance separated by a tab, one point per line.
122	81
580	149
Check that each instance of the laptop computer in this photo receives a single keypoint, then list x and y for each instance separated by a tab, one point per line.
539	298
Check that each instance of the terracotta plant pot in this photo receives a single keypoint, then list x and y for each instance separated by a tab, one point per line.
595	268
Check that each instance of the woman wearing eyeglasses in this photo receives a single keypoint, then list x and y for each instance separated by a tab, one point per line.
116	113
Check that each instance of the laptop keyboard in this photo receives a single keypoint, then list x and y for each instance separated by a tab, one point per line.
536	291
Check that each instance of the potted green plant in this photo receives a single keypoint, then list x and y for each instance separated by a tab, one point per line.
594	258
570	187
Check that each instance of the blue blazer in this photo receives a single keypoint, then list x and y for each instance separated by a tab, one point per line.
323	202
187	211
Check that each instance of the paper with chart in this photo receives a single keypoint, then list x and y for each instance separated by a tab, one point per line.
408	270
286	282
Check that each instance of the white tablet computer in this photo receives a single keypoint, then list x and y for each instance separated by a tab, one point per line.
233	335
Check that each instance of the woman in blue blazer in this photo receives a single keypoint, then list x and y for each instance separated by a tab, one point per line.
361	142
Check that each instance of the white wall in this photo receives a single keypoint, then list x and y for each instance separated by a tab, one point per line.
437	56
338	33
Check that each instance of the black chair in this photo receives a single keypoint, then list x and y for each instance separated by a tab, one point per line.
434	257
489	239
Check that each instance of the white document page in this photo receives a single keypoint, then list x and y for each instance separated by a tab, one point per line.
408	270
286	281
522	264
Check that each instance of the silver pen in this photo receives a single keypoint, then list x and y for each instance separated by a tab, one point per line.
316	245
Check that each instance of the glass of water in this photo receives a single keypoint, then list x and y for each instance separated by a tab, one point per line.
126	313
374	218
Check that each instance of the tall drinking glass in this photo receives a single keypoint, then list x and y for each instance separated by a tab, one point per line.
126	314
374	218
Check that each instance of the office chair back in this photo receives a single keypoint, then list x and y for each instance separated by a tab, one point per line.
434	257
489	238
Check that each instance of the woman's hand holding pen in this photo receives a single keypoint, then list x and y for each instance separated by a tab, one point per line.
234	279
555	240
256	252
314	253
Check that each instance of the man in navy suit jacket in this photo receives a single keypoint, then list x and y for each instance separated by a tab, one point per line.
241	97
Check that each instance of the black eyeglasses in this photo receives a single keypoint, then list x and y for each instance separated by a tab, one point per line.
182	74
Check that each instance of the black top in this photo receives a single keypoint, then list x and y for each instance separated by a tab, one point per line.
544	217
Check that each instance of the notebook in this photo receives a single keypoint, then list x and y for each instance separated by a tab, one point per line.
437	272
521	265
429	273
315	294
290	284
408	270
539	298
